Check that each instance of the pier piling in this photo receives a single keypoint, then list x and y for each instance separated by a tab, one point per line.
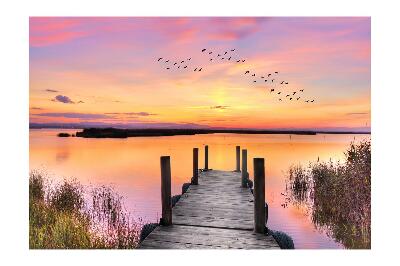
237	158
166	218
195	179
244	168
206	157
259	195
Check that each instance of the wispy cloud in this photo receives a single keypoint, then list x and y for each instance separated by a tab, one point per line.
357	113
51	90
75	115
132	113
219	107
36	108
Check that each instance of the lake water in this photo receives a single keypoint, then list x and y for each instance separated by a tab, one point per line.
132	166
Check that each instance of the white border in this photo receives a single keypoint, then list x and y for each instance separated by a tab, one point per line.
14	139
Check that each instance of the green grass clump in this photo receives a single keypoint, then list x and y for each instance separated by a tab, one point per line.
338	195
60	218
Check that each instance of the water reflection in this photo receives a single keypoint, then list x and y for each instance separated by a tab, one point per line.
132	166
62	156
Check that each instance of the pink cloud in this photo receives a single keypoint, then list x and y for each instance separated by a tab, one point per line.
234	28
44	31
55	38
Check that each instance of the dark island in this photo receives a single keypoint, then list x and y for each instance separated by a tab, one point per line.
126	133
63	135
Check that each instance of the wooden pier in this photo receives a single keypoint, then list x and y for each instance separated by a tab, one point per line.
217	213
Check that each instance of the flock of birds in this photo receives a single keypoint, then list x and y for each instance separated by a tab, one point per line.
273	84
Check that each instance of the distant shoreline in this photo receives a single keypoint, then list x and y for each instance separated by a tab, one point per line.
126	133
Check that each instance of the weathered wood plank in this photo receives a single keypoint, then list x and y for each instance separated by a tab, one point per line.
183	237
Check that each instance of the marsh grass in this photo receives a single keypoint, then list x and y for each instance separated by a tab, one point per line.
60	217
338	195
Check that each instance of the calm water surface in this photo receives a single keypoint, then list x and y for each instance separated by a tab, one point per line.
132	166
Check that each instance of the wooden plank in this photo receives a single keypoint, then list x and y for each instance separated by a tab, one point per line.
215	214
183	237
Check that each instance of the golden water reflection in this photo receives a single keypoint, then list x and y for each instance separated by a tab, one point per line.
132	166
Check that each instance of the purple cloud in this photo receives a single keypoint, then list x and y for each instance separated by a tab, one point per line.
62	99
132	113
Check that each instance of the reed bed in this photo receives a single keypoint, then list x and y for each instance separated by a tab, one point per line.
337	195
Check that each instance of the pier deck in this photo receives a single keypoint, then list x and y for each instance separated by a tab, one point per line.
215	214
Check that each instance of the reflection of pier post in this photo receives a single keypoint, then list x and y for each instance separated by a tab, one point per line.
259	195
195	179
206	157
166	218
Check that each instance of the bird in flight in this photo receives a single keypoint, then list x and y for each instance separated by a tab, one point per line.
307	101
182	61
195	69
203	50
167	61
167	67
302	90
254	80
262	78
243	61
218	55
185	67
294	93
272	90
159	59
276	72
211	59
232	50
269	75
286	83
312	101
279	92
253	75
287	95
290	98
210	53
175	63
200	69
230	58
272	80
225	53
189	59
298	98
280	99
246	72
237	61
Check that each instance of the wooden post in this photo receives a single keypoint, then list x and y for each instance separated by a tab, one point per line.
244	168
206	157
195	179
237	158
259	195
166	218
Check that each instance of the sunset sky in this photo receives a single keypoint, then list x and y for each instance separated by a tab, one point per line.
105	71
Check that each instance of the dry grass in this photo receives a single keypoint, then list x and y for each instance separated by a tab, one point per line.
59	217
